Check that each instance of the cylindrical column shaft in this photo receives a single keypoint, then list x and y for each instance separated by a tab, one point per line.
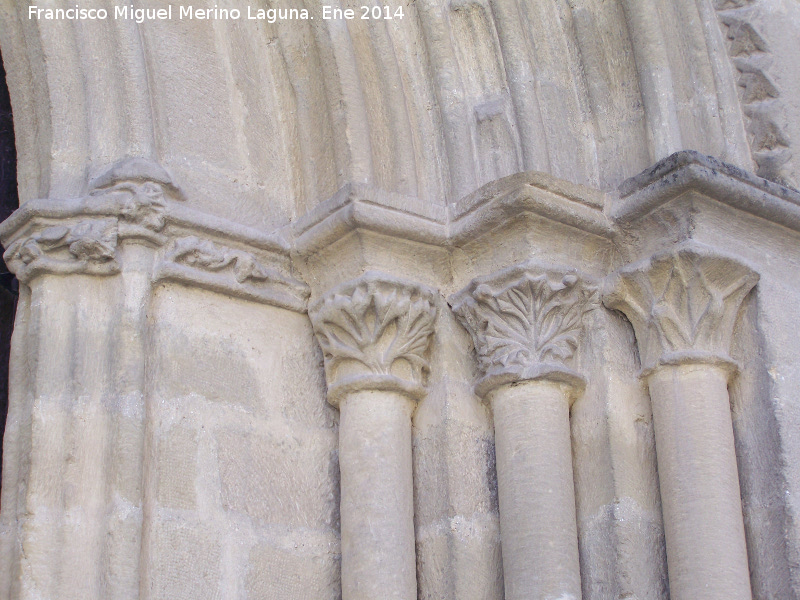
536	490
706	552
377	505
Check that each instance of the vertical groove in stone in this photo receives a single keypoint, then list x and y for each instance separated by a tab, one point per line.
424	119
521	77
734	136
451	98
312	124
103	84
571	143
385	104
347	103
70	142
139	134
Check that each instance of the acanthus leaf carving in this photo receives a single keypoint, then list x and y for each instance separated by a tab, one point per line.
682	304
87	246
374	333
526	322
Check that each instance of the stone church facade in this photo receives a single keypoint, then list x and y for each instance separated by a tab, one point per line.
494	300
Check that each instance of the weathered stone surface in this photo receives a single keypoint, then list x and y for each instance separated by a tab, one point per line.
234	372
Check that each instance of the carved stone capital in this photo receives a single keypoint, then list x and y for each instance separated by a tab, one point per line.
526	323
682	304
375	332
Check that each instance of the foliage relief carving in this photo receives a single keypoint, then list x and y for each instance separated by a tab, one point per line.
682	303
209	256
525	322
88	246
376	331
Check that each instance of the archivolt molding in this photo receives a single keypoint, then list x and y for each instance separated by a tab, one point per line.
136	199
526	323
375	333
682	304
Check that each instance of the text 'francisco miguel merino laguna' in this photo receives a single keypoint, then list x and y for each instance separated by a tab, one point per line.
271	15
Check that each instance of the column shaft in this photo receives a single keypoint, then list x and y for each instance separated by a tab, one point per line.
706	552
377	505
536	489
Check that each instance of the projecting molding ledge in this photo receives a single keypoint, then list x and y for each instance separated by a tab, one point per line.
136	199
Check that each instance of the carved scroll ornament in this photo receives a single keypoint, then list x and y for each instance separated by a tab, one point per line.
525	323
375	333
682	304
214	266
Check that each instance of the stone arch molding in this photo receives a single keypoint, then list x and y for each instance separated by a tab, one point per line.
431	108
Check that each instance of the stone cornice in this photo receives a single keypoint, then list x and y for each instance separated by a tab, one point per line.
362	207
682	304
135	199
501	201
690	170
526	323
374	333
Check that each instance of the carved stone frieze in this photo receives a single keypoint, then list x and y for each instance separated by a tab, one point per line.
140	203
136	199
526	323
230	270
375	332
87	246
682	304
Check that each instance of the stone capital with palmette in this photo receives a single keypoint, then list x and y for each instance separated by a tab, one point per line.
375	332
526	323
683	304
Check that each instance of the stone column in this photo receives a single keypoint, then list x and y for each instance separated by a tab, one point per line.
526	323
374	333
683	305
